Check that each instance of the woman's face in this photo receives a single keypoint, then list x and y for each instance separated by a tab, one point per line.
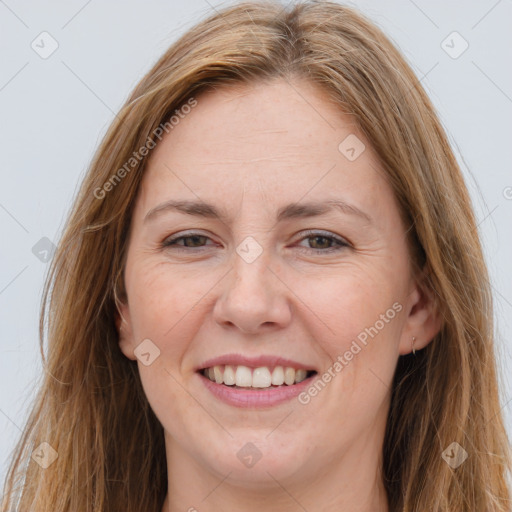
299	261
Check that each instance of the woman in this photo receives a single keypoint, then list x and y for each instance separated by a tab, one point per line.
270	294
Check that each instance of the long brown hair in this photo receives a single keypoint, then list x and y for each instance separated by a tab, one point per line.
91	407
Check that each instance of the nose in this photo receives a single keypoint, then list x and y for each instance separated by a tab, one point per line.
254	298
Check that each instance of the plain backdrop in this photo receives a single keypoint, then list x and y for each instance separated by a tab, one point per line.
54	111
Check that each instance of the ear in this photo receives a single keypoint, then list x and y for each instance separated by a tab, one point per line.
124	330
423	319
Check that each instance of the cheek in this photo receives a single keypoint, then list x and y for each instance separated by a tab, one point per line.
162	301
162	310
361	318
351	302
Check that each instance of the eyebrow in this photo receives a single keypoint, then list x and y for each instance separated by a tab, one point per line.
290	211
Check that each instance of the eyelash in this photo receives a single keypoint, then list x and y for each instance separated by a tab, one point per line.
342	244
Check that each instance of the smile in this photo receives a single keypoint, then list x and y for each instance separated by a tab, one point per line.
261	387
260	378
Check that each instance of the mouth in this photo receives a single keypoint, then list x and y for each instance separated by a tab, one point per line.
243	377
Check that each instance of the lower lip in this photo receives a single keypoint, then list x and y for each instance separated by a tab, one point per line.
253	398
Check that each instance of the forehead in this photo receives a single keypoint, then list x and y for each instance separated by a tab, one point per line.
276	142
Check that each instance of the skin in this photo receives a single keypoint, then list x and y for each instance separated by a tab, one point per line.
251	150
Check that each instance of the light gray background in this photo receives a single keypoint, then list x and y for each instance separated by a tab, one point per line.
54	112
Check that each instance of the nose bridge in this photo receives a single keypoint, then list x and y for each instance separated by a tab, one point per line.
252	295
252	276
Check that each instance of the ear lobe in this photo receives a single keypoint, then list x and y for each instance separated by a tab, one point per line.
124	330
424	320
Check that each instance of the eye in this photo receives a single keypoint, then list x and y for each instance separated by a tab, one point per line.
191	241
324	242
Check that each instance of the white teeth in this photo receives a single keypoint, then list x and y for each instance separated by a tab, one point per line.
278	376
243	377
219	376
229	376
289	376
262	377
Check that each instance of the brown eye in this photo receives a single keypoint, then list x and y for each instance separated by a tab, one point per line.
321	242
192	241
324	242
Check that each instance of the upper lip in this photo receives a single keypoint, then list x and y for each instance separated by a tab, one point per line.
253	362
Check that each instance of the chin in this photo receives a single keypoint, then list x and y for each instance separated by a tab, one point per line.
256	461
